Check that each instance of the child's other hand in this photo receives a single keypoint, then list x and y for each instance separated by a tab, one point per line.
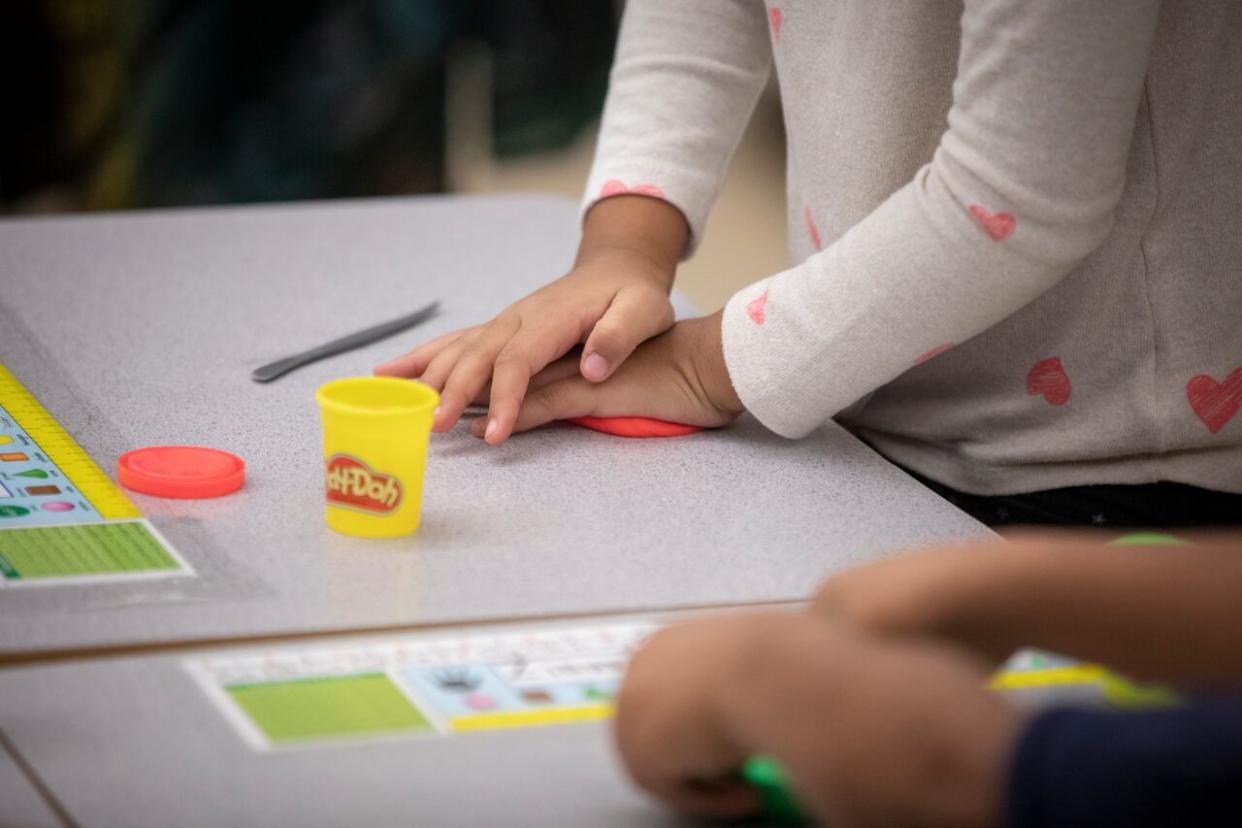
615	297
679	376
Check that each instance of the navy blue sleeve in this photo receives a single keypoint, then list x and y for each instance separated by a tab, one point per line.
1176	766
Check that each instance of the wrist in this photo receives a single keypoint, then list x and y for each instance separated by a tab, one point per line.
638	228
622	263
708	368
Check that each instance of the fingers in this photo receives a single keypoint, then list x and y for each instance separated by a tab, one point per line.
562	369
724	799
472	369
438	371
635	315
573	397
511	382
502	363
414	363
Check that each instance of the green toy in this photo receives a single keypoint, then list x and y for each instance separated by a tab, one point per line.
1149	539
780	804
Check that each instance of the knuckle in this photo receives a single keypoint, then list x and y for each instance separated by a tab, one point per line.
560	395
433	377
539	405
512	360
649	297
649	293
507	400
509	404
608	335
543	405
453	400
457	380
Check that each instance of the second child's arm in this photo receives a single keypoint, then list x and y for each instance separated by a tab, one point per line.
1167	613
876	731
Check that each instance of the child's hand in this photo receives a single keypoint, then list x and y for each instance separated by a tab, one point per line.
615	298
679	376
671	729
613	302
872	732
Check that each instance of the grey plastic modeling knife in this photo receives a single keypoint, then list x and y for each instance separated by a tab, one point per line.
280	367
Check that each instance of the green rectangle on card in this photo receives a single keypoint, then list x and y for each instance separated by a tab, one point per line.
366	704
84	549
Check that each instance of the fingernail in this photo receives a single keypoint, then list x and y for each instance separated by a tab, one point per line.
595	367
435	415
492	428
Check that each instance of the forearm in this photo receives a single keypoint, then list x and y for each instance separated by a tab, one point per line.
1163	613
1020	191
685	79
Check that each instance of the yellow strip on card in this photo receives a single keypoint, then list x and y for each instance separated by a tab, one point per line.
62	450
1053	677
529	718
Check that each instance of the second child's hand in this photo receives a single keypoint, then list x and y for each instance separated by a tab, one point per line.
834	706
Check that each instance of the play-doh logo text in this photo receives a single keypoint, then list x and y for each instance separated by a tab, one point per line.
355	485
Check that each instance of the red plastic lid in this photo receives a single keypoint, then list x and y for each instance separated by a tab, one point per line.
635	426
181	471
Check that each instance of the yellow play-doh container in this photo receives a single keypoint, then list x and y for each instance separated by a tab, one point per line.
375	435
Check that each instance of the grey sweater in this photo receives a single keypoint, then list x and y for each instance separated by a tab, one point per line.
1014	223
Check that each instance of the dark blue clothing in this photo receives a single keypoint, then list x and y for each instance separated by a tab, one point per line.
1169	767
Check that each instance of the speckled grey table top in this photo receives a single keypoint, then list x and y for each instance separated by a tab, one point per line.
142	329
20	803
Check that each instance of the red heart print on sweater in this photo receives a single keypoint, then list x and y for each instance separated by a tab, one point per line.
774	15
811	228
933	353
615	186
1214	402
755	308
999	226
1048	377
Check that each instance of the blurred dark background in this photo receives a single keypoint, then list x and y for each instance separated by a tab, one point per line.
119	104
154	103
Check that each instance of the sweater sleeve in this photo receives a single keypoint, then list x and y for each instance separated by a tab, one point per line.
1152	768
1021	188
684	83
